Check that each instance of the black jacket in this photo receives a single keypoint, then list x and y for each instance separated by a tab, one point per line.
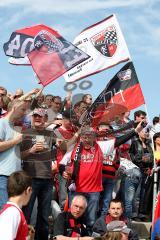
63	227
100	227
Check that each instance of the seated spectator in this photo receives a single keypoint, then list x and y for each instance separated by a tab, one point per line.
70	225
119	226
12	221
115	213
111	236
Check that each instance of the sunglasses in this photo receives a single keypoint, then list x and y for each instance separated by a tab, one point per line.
37	115
57	103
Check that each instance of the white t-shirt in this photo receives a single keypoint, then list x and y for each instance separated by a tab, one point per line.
107	148
9	222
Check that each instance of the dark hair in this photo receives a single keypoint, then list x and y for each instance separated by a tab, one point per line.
139	113
85	95
49	95
3	89
78	104
155	136
57	97
155	120
116	200
18	182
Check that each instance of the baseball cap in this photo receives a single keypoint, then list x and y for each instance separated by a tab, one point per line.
118	226
87	130
40	111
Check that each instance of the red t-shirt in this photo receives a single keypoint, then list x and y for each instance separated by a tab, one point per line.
89	177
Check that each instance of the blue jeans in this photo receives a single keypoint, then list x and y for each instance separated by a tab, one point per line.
62	191
129	186
108	185
3	190
42	190
92	208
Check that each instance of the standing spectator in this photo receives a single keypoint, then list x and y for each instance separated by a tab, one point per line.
156	140
142	156
3	91
10	160
55	110
87	98
37	156
110	166
19	93
2	110
156	124
87	160
48	100
12	221
139	116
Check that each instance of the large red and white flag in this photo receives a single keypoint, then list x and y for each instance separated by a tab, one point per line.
45	49
105	43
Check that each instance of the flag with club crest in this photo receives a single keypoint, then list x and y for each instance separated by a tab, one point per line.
105	43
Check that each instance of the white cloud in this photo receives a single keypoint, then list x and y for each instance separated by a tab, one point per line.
138	20
70	6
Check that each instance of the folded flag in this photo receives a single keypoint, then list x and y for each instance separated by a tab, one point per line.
105	43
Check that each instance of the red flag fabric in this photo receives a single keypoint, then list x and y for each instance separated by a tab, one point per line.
48	52
121	94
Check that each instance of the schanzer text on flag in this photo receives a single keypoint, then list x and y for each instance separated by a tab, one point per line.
122	93
105	43
48	52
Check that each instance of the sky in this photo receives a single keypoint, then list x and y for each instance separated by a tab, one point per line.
139	22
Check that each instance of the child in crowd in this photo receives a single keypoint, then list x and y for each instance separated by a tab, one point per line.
13	224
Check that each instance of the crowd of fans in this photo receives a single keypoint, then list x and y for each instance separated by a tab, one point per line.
93	181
